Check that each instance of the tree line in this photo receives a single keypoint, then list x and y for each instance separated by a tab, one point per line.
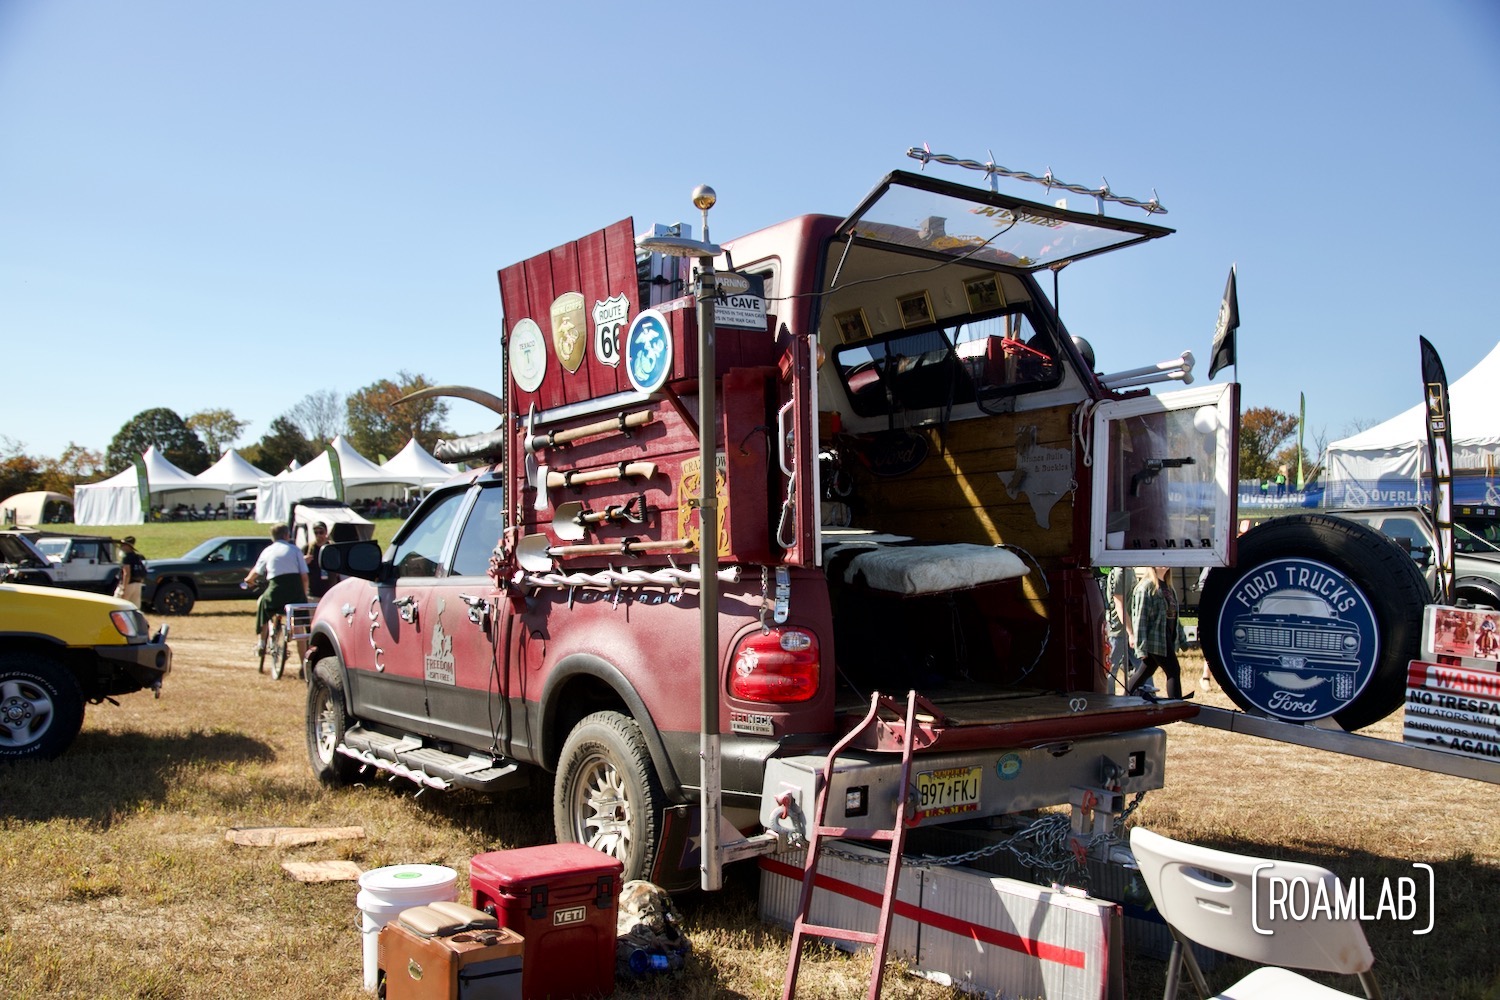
367	418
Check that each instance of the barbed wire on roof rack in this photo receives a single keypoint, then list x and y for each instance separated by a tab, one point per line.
613	579
992	170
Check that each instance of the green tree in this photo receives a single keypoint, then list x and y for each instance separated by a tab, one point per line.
283	444
167	432
379	426
1263	432
219	429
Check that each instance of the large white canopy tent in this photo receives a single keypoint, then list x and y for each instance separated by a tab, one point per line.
117	499
231	474
1381	464
415	466
362	479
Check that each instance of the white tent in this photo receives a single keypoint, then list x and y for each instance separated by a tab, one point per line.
1392	457
415	466
362	478
117	501
36	507
230	474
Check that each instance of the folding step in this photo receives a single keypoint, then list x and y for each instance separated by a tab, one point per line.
429	766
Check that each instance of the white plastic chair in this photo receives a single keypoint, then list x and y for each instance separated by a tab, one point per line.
1206	896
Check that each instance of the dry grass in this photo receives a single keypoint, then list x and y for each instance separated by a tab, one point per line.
119	882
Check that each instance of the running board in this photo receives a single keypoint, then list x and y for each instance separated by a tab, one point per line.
408	757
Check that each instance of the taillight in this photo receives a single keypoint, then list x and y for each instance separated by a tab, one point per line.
777	666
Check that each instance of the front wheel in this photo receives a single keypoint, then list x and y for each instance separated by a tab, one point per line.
279	638
607	794
41	707
327	721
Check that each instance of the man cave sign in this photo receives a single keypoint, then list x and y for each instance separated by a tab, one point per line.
1318	617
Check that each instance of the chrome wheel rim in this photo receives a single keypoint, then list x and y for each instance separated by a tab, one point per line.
26	713
602	810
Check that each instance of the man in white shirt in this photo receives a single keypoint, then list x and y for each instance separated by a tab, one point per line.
283	566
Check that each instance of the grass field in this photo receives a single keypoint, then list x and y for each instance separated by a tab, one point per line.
120	883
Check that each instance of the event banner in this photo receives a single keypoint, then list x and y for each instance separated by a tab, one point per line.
1440	450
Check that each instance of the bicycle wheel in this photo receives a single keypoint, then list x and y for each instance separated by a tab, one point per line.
278	647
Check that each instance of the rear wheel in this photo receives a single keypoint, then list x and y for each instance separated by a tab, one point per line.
173	598
607	794
41	707
327	721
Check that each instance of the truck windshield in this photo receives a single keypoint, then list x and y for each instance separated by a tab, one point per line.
975	361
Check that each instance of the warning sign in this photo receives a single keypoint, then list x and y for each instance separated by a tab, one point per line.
1453	708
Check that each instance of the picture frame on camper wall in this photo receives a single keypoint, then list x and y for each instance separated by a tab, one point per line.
852	326
984	294
915	309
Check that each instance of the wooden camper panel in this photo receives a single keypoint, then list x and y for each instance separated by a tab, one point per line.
957	494
597	266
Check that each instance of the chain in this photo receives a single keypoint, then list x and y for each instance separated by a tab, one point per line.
992	170
765	600
1045	845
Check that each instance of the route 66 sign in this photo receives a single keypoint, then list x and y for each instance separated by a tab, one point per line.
609	320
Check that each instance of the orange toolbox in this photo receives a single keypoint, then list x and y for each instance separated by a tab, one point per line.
449	951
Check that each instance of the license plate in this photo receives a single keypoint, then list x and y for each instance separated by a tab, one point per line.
948	792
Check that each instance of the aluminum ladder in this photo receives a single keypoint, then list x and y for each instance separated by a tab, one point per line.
896	837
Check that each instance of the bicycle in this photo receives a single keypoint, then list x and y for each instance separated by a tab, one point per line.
273	642
291	625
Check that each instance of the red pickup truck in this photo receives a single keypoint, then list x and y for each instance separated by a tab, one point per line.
918	472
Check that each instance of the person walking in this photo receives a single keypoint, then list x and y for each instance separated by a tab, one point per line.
283	566
1119	587
1158	630
132	572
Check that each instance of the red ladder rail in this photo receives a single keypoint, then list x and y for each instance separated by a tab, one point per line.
896	837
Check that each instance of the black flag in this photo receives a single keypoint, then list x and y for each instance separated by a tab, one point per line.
1229	323
1440	451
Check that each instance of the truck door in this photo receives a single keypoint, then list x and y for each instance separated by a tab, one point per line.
1164	479
464	617
402	626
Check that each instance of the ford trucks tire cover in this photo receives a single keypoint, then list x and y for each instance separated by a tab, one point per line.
1319	618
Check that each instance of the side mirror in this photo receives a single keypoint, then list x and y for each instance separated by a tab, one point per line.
359	559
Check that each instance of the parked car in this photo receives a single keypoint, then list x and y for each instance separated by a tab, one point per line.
1476	561
60	649
81	562
21	561
210	571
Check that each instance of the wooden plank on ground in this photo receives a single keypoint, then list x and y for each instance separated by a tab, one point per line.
290	836
323	871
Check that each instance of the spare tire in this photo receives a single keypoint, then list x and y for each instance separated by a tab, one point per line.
1319	617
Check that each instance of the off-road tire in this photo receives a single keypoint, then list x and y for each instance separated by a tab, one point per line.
41	706
1381	569
327	721
605	760
173	598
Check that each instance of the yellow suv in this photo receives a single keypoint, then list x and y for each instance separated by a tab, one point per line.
60	649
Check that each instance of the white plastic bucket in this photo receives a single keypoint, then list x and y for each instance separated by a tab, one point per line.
385	892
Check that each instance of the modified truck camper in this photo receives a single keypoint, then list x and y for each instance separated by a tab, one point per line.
916	472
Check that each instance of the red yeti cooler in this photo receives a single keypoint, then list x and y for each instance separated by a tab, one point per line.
562	899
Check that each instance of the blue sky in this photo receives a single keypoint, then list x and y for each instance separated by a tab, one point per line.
215	204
